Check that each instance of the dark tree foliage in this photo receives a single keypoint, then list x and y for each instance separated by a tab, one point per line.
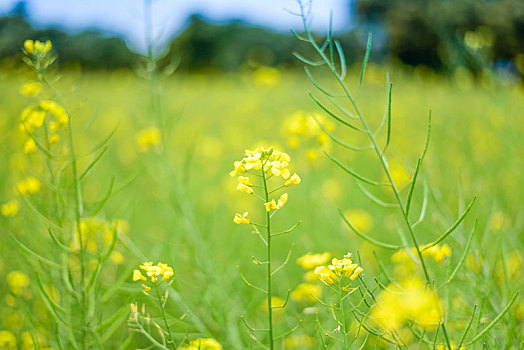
432	32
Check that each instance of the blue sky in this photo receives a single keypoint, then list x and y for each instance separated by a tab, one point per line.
124	17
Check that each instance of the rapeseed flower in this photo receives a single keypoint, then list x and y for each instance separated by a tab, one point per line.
202	344
7	340
153	274
18	282
410	300
339	268
10	209
310	260
28	186
147	138
29	146
307	292
241	219
293	180
244	188
31	88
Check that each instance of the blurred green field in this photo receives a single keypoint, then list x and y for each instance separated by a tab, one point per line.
179	202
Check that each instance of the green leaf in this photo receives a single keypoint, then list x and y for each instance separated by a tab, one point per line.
366	58
366	237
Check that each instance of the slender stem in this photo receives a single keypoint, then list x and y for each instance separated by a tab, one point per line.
342	315
171	341
268	229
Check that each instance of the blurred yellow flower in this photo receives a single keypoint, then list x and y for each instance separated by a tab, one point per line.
299	341
282	200
307	292
30	185
267	76
31	88
148	138
202	344
29	146
412	300
10	209
7	341
310	260
17	282
359	218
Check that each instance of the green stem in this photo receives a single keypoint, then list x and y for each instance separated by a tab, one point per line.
342	320
269	294
159	297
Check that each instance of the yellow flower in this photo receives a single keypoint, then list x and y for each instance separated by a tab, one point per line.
137	276
56	110
17	282
279	168
360	219
245	180
307	292
32	118
310	260
339	268
282	200
202	344
28	186
293	180
54	138
29	46
241	219
29	146
244	188
166	271
7	340
31	88
10	209
145	265
299	341
149	137
271	205
42	48
153	272
326	274
267	76
412	300
239	168
146	288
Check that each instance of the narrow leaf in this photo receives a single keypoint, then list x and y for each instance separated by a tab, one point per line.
366	58
366	237
452	228
337	118
354	174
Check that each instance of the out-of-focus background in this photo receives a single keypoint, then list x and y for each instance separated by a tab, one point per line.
229	34
222	78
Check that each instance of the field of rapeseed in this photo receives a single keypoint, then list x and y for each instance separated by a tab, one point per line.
233	211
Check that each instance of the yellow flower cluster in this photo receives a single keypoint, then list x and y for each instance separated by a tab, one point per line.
411	300
203	344
33	117
271	163
339	268
10	209
28	186
153	273
37	48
